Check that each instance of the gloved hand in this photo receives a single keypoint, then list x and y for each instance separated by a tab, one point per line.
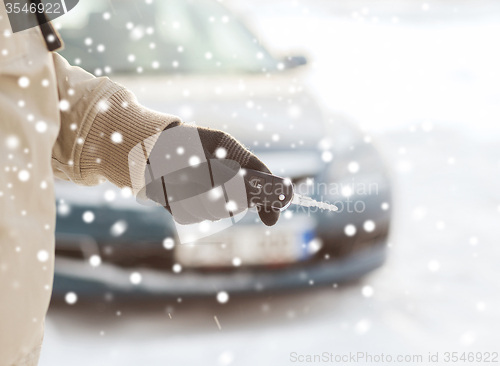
216	145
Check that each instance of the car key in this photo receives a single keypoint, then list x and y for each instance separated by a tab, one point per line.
277	192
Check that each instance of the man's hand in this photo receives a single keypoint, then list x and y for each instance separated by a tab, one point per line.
181	144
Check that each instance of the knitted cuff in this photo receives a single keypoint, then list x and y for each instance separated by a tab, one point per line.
120	125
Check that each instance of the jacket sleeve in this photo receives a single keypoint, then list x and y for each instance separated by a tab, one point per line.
102	124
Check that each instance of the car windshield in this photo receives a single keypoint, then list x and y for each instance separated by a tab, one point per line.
146	36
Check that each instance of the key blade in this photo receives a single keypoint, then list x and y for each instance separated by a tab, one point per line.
305	201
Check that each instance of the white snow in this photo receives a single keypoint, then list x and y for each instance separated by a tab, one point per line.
222	297
369	226
327	156
118	228
23	81
88	217
71	298
12	142
135	278
367	291
41	126
95	260
64	105
353	167
42	255
23	175
168	243
177	268
350	230
116	137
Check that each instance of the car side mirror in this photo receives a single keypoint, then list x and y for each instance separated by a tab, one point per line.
292	62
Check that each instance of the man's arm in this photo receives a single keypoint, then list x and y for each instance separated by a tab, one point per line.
101	122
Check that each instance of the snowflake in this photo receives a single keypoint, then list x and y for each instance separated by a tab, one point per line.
231	206
23	81
369	226
168	243
126	192
350	230
222	297
177	268
88	217
12	142
327	156
41	126
194	161
63	209
103	106
109	195
135	278
118	228
221	153
71	298
353	167
95	260
367	291
43	256
64	105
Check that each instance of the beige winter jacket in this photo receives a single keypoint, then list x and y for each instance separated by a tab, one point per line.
55	119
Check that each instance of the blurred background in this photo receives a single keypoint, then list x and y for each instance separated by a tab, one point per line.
398	95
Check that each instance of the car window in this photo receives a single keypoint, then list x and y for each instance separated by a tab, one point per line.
149	36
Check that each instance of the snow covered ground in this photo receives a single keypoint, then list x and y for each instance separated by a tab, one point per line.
423	80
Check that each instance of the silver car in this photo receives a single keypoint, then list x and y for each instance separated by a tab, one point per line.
196	60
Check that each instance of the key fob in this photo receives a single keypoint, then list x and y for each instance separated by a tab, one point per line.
272	191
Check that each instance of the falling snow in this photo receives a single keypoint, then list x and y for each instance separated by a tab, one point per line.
222	297
116	137
350	230
42	256
118	228
168	243
71	298
23	81
135	278
88	217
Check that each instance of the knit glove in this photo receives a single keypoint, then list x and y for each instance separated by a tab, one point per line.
215	144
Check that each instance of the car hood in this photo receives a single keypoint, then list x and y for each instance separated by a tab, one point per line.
272	112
